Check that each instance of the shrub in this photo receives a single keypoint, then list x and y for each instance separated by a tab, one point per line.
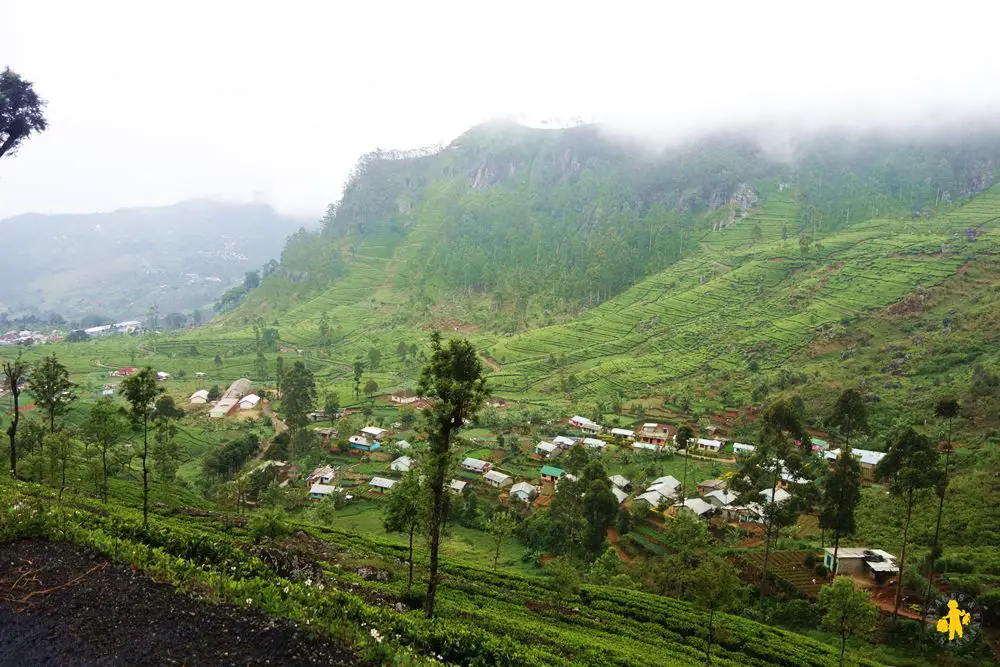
821	571
809	560
269	523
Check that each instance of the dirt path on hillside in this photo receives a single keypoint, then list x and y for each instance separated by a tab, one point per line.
493	363
62	604
613	538
278	426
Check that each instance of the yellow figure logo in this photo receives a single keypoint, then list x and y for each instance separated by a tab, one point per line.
952	623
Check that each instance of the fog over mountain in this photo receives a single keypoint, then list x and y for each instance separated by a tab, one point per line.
153	105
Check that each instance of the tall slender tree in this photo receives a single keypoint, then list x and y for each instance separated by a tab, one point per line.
166	453
783	439
405	512
683	441
300	395
52	389
948	410
500	526
279	374
140	390
849	611
909	467
842	486
715	586
454	379
13	373
105	426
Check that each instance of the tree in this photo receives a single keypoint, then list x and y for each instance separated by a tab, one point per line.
20	111
59	446
299	396
52	389
105	426
565	578
405	512
371	388
454	378
197	317
14	372
500	526
251	280
841	494
166	452
910	467
175	320
402	350
947	409
140	390
849	611
279	374
783	438
359	369
324	332
600	508
683	440
374	357
214	393
331	406
842	486
218	363
260	366
715	586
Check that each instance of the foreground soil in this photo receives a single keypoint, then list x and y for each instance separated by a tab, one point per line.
63	604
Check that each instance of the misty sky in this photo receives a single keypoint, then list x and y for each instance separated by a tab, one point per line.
150	103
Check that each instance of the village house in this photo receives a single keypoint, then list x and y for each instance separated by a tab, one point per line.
162	376
367	439
587	426
498	479
551	474
594	443
327	433
564	442
623	433
405	397
249	402
740	449
547	450
381	484
476	465
524	491
403	444
621	482
323	474
720	498
708	445
753	512
875	565
869	461
402	464
710	485
620	495
223	407
123	372
696	506
199	397
457	485
655	498
668	485
653	434
320	491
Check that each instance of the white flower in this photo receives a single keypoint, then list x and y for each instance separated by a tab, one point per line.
309	582
320	586
376	636
286	590
249	600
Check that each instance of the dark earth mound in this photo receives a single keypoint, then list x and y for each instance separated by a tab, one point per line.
63	604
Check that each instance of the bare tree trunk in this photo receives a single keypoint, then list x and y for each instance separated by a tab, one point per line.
902	558
437	516
104	468
409	579
12	429
145	472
